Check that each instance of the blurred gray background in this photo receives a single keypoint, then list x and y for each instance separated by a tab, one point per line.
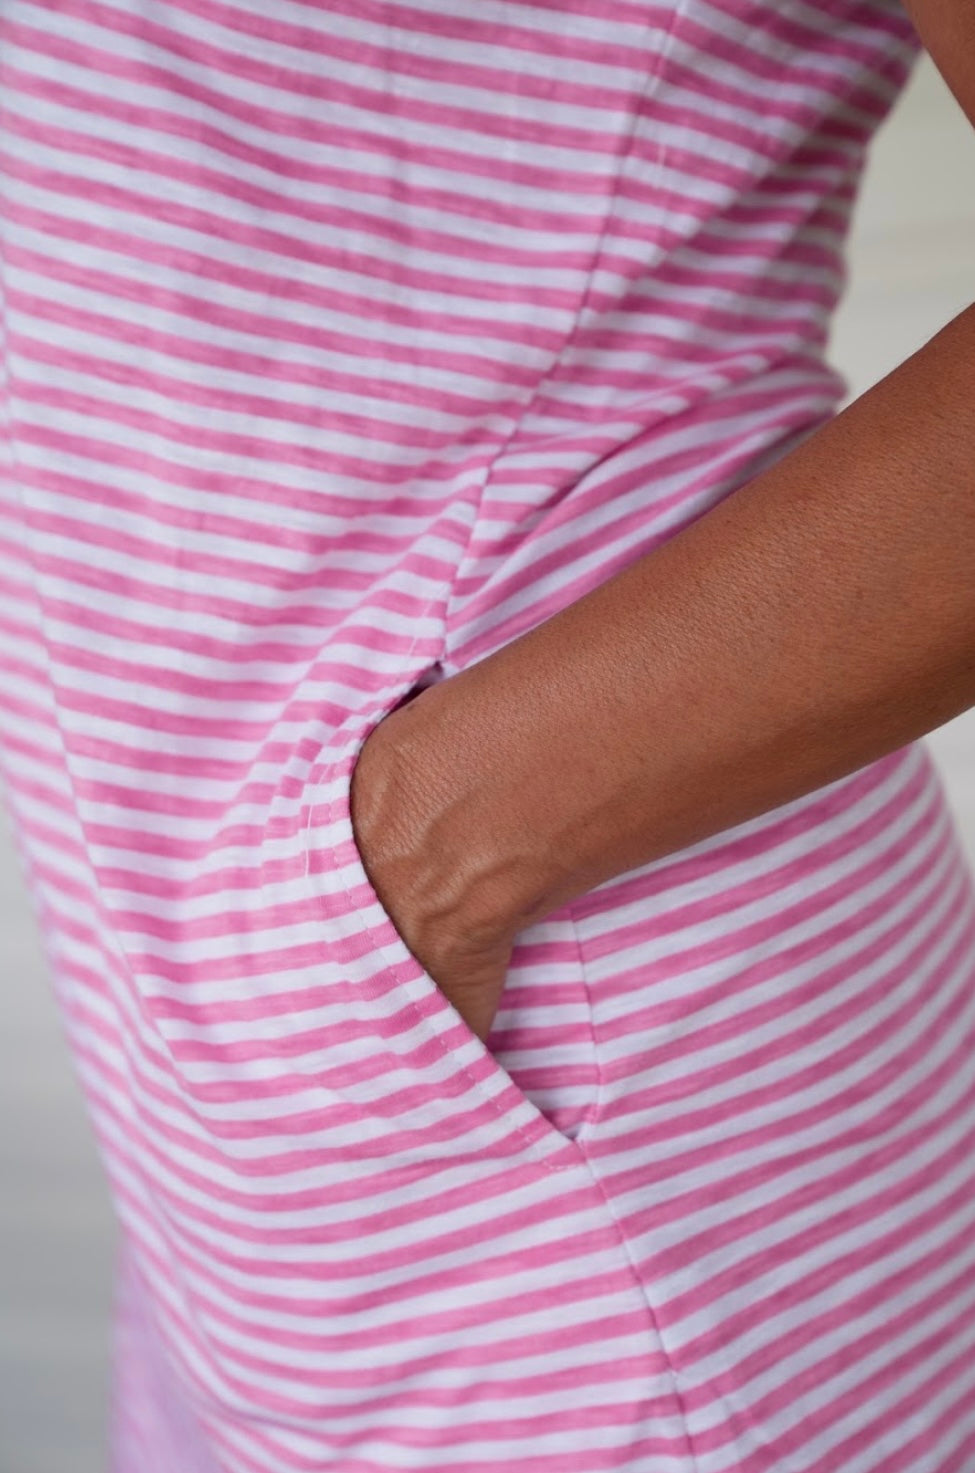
912	269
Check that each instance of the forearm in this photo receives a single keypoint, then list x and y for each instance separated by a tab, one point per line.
814	620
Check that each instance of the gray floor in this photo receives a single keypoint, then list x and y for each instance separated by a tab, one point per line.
913	268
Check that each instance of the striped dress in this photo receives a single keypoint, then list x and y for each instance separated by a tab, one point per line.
345	341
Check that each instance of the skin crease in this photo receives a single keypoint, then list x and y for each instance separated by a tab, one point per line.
811	622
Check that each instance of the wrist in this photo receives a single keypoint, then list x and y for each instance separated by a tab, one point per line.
439	826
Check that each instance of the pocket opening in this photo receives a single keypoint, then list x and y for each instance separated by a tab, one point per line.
424	1049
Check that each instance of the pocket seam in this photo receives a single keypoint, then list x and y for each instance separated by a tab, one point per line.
594	1110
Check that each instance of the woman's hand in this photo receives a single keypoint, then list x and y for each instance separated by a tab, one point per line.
403	847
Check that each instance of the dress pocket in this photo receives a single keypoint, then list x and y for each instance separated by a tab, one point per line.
407	1060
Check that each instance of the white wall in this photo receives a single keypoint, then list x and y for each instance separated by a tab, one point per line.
913	268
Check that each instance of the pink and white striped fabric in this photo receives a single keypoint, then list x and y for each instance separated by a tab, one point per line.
345	340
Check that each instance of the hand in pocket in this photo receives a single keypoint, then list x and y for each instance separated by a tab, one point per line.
407	832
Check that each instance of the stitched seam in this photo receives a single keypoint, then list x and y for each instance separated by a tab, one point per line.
592	1115
613	1220
595	1105
573	332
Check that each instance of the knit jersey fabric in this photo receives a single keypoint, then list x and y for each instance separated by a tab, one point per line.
343	342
